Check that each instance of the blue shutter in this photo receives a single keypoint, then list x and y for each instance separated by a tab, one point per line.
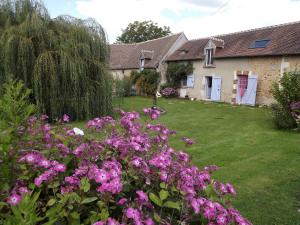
190	81
250	95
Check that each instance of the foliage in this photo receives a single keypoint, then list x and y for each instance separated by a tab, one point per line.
15	109
142	31
26	212
295	108
240	151
123	87
129	174
282	117
169	92
146	81
63	60
176	71
286	92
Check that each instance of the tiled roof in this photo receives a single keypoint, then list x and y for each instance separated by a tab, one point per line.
127	56
284	40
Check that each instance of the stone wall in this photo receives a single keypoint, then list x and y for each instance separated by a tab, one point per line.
268	70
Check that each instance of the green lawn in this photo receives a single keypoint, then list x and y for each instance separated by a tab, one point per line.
262	163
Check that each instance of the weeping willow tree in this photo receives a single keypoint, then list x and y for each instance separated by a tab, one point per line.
63	60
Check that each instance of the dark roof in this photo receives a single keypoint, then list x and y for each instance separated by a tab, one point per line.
127	56
284	40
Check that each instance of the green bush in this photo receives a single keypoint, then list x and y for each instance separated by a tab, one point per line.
285	91
15	109
282	117
146	81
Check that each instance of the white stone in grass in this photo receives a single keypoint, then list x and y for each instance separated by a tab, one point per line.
77	131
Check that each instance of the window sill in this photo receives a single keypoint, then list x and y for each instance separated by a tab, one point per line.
209	66
186	87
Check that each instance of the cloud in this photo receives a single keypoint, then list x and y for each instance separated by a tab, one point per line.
197	18
206	3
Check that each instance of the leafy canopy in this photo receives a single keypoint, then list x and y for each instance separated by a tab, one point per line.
142	31
63	60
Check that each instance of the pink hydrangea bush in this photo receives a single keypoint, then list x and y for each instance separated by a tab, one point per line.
122	171
169	92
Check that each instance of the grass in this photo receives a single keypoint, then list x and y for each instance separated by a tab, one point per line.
262	162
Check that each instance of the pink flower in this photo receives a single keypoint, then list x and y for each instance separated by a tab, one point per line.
44	163
188	141
14	199
99	223
66	118
222	219
60	168
149	221
23	190
153	113
122	201
101	176
142	196
134	214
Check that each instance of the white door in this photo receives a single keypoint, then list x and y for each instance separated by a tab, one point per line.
216	88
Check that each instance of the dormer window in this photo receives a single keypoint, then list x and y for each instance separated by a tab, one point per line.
142	64
209	57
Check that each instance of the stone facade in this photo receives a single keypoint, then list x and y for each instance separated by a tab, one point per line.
268	70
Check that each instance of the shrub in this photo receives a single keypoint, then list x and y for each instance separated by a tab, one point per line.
169	92
15	109
146	81
116	171
286	92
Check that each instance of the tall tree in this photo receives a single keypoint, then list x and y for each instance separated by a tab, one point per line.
64	60
142	31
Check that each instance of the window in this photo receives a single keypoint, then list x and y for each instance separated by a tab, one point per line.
209	57
260	43
187	81
142	64
184	81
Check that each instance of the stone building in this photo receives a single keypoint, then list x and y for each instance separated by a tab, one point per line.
125	58
239	67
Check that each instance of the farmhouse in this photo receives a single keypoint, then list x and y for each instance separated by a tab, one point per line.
125	58
239	67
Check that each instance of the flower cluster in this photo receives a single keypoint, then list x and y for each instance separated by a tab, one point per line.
188	141
169	92
130	169
153	113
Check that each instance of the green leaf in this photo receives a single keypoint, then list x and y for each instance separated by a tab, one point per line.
155	199
75	215
163	185
163	194
157	217
172	205
51	202
85	184
104	214
88	200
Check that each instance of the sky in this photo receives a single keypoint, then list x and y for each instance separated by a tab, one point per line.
196	18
